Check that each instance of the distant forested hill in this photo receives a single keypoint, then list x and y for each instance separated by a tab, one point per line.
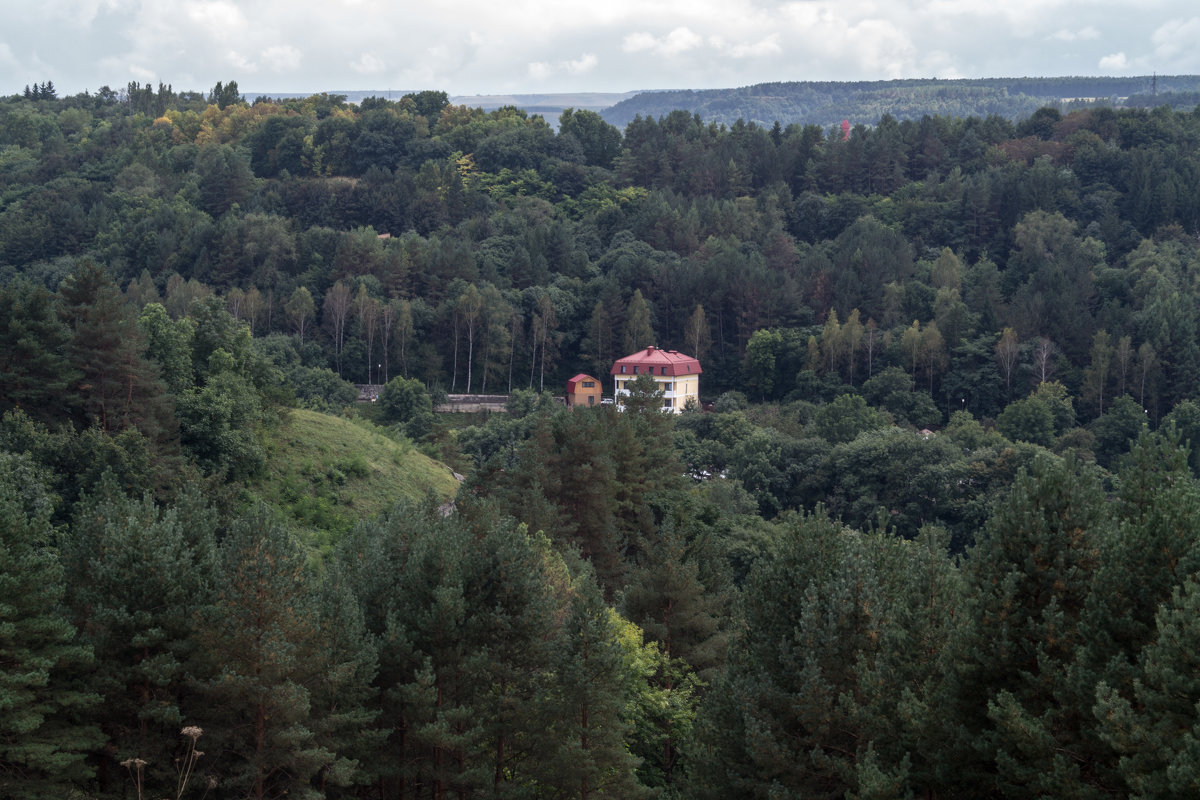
828	103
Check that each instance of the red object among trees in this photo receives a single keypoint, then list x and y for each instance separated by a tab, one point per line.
845	129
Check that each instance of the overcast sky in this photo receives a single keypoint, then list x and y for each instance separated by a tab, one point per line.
528	46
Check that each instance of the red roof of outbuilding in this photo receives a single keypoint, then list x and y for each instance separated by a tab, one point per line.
571	384
675	362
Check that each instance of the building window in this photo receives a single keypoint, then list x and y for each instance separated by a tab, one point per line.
589	384
668	402
591	399
667	387
622	369
635	370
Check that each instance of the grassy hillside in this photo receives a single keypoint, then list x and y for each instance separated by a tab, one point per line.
326	472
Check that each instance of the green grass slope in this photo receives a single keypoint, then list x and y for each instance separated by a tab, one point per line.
325	473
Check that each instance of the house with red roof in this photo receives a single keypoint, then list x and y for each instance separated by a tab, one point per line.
583	390
677	375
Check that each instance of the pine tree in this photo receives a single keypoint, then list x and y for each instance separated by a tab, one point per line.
1156	729
1143	561
141	574
35	374
590	696
667	599
1030	576
665	596
260	639
344	699
828	694
119	388
465	616
44	736
639	333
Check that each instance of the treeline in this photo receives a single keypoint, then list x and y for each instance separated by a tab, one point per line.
827	103
493	229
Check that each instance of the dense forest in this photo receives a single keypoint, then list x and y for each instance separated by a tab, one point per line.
935	531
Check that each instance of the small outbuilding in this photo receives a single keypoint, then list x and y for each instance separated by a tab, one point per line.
583	390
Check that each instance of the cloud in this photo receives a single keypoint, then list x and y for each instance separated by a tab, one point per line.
764	47
310	45
677	41
1114	63
541	70
368	64
239	62
217	17
282	58
582	65
1177	38
6	56
637	42
1084	34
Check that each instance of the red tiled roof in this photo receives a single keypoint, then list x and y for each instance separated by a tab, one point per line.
674	362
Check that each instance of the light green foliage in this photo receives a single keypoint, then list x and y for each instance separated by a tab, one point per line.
406	401
1117	429
1047	412
169	343
845	418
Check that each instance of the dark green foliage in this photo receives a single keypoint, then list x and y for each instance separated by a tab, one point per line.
591	689
76	462
320	389
824	696
1154	730
267	662
119	390
599	141
894	391
35	374
218	424
1030	576
492	660
1185	419
1117	429
43	731
1046	413
141	573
